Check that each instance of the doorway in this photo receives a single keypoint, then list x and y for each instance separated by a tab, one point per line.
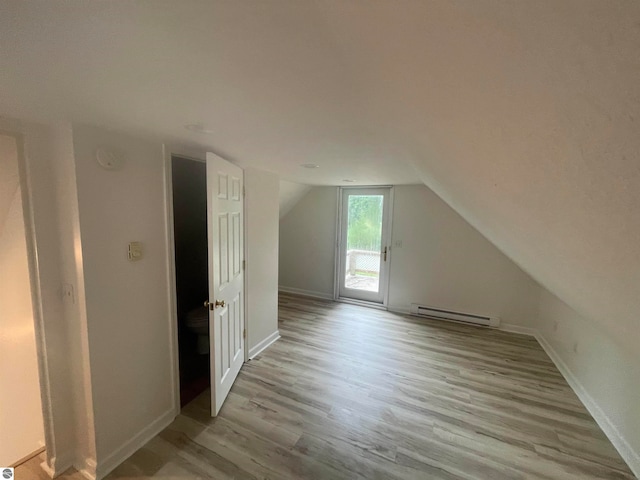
189	184
364	252
21	415
207	211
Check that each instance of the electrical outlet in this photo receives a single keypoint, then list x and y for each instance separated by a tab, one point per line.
397	244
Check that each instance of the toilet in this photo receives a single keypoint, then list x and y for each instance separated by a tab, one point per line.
197	320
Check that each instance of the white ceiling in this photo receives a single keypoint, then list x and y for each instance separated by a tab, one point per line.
524	116
268	79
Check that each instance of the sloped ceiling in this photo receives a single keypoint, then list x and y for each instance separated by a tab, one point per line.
290	194
524	116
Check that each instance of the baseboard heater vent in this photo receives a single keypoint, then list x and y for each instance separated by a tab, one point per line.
440	314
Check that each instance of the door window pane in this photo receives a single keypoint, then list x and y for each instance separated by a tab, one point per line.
364	238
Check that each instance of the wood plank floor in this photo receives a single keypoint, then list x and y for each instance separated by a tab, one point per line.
355	393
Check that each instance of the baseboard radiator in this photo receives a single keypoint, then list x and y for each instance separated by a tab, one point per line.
449	315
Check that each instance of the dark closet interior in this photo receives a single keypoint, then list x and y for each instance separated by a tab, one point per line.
192	283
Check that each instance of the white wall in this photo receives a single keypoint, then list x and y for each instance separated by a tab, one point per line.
307	243
20	409
599	367
290	195
114	338
127	302
60	334
9	180
74	308
444	262
261	210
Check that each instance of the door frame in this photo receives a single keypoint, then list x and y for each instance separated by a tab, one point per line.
37	305
170	151
338	240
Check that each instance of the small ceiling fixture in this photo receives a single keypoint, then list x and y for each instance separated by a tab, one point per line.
109	159
310	165
197	127
348	180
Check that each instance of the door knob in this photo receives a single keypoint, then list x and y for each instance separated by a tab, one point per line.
217	304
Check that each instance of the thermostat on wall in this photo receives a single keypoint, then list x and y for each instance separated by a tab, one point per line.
135	251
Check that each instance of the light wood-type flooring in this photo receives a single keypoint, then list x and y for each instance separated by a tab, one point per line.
350	392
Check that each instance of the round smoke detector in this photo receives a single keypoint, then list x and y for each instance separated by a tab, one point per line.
109	160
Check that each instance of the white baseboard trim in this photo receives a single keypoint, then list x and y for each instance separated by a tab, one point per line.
131	446
88	469
57	465
28	457
511	328
602	419
398	310
264	344
305	293
47	469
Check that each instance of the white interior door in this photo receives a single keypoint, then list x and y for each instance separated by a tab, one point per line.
364	250
226	279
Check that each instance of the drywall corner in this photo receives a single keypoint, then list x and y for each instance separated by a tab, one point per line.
261	254
604	375
51	216
126	308
290	194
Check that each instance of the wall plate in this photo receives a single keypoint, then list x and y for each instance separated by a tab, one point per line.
135	251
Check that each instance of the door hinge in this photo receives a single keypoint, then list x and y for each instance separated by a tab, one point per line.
244	333
244	264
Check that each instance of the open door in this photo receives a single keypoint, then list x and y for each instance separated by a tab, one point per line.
226	278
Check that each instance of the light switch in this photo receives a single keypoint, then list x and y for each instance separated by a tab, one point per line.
135	251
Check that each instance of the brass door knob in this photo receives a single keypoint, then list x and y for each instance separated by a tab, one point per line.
217	304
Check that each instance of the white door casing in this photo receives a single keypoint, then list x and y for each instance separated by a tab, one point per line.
226	278
343	290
